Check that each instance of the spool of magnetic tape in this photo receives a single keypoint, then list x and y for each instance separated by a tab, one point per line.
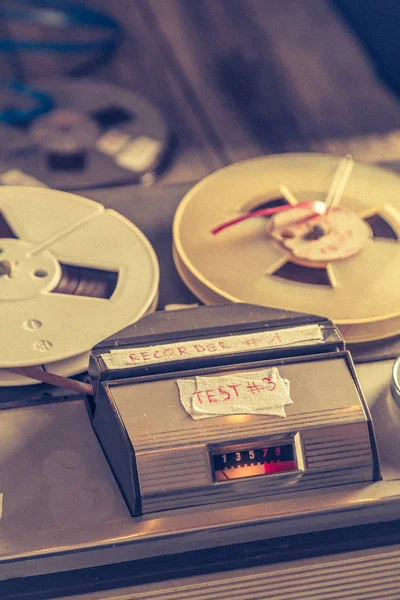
341	264
94	134
71	273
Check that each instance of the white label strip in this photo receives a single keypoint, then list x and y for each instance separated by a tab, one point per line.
112	141
147	355
262	392
139	154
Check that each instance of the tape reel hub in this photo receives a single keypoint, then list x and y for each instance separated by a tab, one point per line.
339	234
64	131
24	273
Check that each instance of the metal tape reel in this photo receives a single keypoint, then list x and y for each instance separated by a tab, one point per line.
244	264
72	273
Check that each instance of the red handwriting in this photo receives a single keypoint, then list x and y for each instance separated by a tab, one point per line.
271	385
254	388
205	348
275	338
223	393
252	342
340	237
176	351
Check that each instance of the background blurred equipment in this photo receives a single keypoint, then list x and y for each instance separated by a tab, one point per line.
377	25
65	27
97	135
127	139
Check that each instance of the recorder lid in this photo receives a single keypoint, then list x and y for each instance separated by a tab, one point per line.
221	334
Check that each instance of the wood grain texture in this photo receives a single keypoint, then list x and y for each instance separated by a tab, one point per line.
333	86
140	64
276	75
233	71
144	64
237	78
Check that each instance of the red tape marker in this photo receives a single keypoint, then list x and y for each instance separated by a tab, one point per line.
318	208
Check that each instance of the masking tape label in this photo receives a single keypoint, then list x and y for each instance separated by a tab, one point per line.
131	357
262	392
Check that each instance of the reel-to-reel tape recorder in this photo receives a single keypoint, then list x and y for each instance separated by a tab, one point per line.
238	451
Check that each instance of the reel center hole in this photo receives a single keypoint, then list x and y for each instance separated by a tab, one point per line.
40	273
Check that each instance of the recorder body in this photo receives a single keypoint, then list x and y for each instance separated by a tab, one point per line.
165	458
173	500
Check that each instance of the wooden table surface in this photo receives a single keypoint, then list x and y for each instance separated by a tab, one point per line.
241	78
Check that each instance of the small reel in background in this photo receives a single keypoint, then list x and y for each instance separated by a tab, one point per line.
97	134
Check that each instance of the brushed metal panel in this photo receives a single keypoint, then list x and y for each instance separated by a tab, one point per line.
175	469
181	477
232	428
340	447
318	401
260	490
